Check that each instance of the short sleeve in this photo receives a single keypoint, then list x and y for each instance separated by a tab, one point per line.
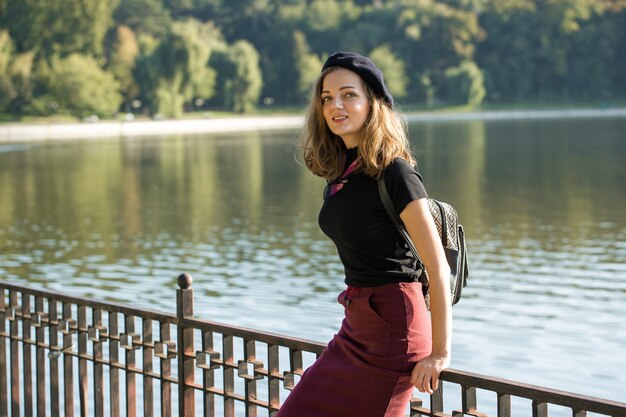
403	184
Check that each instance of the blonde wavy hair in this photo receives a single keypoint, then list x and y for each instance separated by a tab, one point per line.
384	138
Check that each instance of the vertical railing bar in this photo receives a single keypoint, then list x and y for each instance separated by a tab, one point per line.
468	399
295	359
4	391
166	372
15	357
504	405
83	380
98	367
273	368
208	377
436	400
114	358
249	352
148	394
41	358
53	336
540	409
68	368
229	375
131	388
184	309
27	373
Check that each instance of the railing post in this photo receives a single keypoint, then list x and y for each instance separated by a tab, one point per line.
14	358
184	308
4	396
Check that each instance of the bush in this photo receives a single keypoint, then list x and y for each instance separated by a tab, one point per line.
463	85
80	87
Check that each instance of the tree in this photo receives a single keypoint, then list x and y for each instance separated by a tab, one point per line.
163	76
393	69
463	85
593	60
177	72
308	64
80	87
60	27
122	61
374	26
548	49
324	23
201	39
239	77
435	36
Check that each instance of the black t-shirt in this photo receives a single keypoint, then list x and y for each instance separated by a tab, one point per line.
372	251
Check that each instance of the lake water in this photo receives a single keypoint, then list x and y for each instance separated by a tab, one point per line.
543	204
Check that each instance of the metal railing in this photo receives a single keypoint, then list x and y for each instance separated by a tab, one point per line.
65	355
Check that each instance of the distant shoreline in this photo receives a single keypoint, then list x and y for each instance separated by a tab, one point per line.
22	132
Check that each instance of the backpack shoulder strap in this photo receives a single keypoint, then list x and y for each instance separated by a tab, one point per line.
395	218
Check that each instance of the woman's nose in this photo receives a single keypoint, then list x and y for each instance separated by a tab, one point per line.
337	102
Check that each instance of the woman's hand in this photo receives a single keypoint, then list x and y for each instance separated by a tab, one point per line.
425	375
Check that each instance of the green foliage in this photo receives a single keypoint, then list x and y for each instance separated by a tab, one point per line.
554	49
239	77
7	93
60	27
463	85
80	87
516	39
586	78
433	36
169	100
373	27
122	61
163	76
200	39
308	64
177	71
6	51
323	15
143	16
15	75
174	55
393	70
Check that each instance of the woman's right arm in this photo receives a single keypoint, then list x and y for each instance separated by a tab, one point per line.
421	227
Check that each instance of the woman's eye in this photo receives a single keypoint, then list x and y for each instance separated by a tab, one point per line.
350	95
325	99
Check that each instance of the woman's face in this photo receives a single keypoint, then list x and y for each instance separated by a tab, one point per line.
345	105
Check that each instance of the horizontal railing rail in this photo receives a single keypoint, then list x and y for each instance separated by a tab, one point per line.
57	351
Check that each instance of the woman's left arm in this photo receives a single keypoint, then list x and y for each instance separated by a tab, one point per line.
421	227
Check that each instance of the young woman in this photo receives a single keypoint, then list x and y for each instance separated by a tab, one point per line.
388	342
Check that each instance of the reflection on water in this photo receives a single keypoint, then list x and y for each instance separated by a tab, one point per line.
542	202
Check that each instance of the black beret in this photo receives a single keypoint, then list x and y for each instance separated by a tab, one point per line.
365	68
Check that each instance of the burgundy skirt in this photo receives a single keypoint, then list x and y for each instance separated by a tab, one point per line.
366	368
